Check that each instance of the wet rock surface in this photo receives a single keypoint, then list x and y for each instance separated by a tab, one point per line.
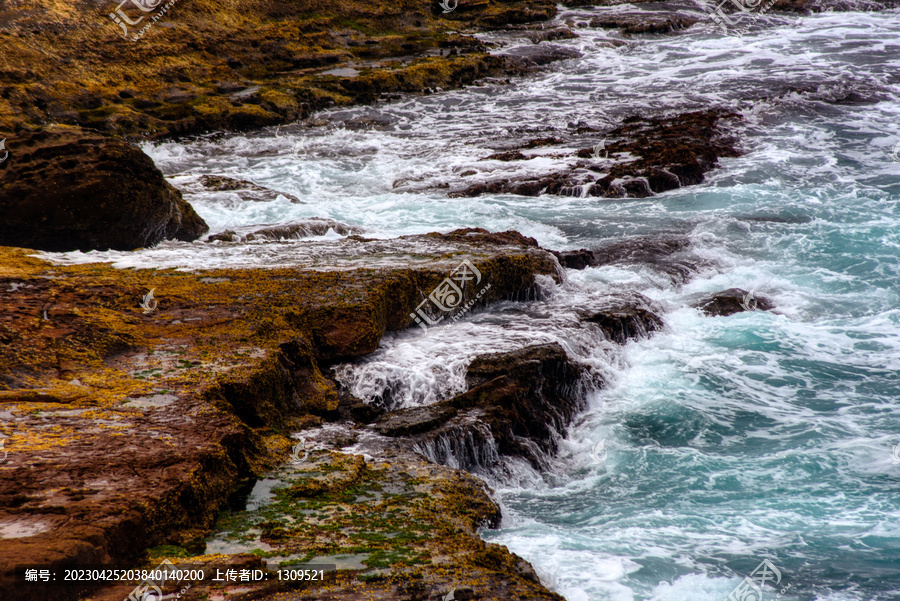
627	318
247	190
733	300
519	403
68	189
667	254
643	23
130	426
639	158
292	230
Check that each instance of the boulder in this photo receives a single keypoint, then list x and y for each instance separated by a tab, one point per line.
574	259
733	300
67	189
627	318
519	403
664	253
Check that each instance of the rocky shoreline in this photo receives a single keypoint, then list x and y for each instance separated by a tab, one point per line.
135	426
130	430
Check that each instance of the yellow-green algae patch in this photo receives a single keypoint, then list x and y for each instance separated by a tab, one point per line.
140	427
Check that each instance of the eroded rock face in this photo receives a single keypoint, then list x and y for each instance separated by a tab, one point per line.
627	318
639	158
247	190
641	23
67	189
127	430
519	403
669	254
733	300
294	230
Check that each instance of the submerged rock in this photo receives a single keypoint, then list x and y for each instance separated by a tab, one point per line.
247	190
68	189
641	22
574	259
733	300
295	230
639	158
529	57
627	318
519	403
667	253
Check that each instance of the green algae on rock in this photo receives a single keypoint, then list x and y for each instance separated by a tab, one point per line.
130	430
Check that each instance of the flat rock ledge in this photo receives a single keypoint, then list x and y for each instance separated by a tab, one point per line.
130	427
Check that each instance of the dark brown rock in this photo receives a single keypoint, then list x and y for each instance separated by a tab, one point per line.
575	259
549	35
478	235
294	230
247	190
639	158
641	23
68	189
627	318
666	253
733	300
519	403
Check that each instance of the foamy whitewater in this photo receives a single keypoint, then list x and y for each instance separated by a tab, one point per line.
721	441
